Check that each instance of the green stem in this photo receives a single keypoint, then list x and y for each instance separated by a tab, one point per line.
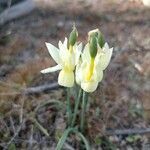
69	112
76	108
84	102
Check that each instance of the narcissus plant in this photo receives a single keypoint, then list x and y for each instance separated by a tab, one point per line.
85	67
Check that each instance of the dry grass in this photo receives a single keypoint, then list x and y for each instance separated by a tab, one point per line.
122	96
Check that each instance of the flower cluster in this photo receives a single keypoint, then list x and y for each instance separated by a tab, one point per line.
83	65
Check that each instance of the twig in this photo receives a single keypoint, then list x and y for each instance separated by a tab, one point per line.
128	131
42	88
16	11
21	109
34	90
16	133
12	125
31	140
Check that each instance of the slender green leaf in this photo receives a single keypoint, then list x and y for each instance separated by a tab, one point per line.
66	134
64	138
59	103
69	111
83	139
41	127
77	102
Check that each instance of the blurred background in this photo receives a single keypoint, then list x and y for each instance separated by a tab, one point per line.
122	100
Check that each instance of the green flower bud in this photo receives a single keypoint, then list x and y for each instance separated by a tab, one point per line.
101	40
73	36
93	46
92	32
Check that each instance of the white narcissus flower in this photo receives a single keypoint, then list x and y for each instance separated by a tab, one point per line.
67	59
89	71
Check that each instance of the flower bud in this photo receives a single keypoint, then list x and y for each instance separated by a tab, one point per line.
92	32
100	38
93	46
73	36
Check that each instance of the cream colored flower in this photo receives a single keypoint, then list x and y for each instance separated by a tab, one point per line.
67	59
89	71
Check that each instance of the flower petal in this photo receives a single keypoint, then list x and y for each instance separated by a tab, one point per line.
86	54
54	52
89	86
66	78
80	47
106	46
78	53
65	42
64	53
63	46
78	73
98	75
52	69
105	59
